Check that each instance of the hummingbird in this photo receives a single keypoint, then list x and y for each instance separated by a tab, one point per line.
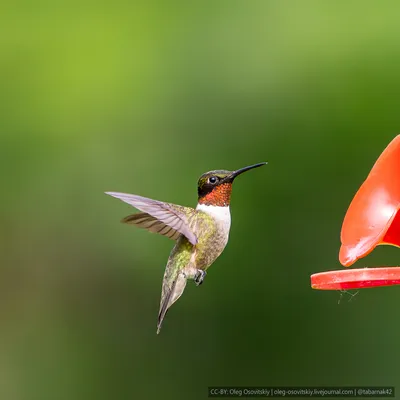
201	233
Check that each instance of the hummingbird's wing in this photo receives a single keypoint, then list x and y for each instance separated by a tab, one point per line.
167	219
146	221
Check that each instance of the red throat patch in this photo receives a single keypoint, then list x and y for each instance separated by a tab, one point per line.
220	196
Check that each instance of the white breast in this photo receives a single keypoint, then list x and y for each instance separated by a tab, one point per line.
221	214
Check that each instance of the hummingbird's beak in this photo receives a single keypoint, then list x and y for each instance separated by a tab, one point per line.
234	174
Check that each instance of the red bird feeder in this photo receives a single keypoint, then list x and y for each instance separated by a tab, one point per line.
371	220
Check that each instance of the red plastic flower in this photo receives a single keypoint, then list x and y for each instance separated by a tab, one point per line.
372	218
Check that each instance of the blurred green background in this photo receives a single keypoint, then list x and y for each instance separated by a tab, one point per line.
143	97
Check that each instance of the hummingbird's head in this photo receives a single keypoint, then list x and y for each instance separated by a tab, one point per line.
214	187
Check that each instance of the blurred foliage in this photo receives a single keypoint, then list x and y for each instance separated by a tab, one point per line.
143	97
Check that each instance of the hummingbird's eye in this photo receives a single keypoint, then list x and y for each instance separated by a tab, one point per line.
213	179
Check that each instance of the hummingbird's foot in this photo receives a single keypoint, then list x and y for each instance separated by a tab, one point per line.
199	277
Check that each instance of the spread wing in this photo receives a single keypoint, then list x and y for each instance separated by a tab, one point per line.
144	220
167	219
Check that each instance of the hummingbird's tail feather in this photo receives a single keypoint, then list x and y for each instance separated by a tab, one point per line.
169	295
164	307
